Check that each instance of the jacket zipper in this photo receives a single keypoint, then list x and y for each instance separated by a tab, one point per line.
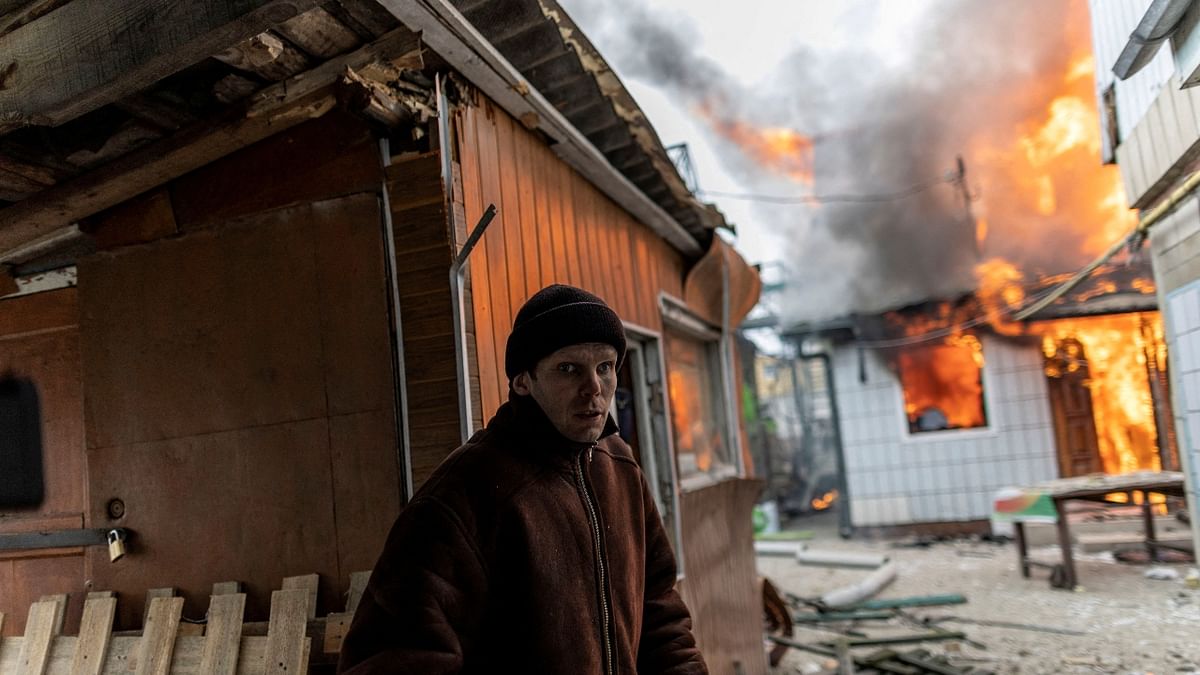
594	521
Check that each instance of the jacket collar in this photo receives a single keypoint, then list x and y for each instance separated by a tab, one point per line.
522	420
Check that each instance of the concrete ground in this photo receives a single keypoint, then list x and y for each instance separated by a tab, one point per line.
1131	624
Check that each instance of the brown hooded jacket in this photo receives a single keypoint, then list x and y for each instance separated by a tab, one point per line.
526	552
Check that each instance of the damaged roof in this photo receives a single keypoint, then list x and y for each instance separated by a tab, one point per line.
131	105
1110	289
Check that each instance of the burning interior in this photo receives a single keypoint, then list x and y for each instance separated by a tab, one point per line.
1104	359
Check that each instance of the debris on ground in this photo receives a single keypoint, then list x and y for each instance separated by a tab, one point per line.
1161	574
1126	623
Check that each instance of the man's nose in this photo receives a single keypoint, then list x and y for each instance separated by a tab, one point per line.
591	386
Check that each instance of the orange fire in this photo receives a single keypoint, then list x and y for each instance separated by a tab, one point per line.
825	501
1043	178
780	149
1115	351
1000	292
943	386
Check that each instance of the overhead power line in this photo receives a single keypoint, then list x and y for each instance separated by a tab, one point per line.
866	198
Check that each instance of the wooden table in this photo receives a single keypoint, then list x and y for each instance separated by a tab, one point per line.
1098	489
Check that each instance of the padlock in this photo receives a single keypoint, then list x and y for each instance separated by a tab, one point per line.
116	544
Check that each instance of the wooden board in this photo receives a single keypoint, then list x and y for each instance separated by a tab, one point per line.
94	635
39	632
92	52
286	642
223	638
158	636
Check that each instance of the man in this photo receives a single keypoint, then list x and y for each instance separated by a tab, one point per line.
536	547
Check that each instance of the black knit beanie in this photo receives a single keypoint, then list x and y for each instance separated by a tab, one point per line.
558	316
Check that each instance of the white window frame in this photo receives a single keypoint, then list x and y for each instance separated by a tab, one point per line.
990	409
654	429
676	316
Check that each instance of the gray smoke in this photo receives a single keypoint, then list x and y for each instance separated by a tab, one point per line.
878	128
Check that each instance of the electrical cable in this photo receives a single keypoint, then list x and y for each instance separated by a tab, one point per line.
834	198
946	331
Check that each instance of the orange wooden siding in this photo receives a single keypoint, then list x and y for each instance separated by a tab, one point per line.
552	226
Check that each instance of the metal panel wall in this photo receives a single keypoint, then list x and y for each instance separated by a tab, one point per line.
1183	340
1112	22
894	478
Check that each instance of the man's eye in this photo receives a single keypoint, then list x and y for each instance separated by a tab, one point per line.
604	368
567	367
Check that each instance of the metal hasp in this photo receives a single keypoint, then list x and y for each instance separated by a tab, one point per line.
112	538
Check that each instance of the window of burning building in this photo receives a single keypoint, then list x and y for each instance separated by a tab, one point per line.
943	384
697	406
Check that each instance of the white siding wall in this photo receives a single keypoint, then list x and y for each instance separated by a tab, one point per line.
1112	22
1183	339
895	478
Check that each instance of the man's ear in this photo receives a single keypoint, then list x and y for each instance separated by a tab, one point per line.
520	384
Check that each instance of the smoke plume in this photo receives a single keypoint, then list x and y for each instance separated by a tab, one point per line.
975	75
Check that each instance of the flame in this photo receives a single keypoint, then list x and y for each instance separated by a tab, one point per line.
780	149
1040	178
943	384
824	501
1114	350
1001	292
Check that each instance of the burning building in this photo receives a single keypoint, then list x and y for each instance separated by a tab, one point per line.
942	403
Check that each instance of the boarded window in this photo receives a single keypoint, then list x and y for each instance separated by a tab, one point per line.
21	481
943	385
697	406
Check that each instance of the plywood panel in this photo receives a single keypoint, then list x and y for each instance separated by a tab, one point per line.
255	501
366	485
328	157
24	581
51	361
203	333
353	304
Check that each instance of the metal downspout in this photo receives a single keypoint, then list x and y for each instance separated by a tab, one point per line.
404	456
733	427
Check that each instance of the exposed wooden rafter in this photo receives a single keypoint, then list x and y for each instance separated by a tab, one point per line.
88	53
278	107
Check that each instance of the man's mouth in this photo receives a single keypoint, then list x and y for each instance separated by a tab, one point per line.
589	414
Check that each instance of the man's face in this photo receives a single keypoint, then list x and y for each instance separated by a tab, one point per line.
574	387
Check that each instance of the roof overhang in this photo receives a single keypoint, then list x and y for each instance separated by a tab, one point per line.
461	44
1159	22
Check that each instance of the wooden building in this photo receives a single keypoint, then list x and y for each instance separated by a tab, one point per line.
228	244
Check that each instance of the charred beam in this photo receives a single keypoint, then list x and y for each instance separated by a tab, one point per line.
267	56
319	34
383	95
88	53
270	111
26	12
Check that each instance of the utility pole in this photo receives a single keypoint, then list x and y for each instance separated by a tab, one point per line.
960	178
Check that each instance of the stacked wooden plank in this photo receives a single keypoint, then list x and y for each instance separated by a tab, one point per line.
167	644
